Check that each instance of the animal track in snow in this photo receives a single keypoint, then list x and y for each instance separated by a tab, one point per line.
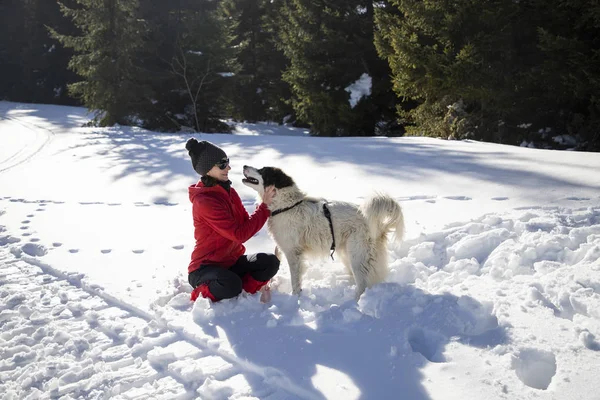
138	251
499	198
105	251
535	368
418	197
178	247
575	198
56	244
164	203
462	198
73	251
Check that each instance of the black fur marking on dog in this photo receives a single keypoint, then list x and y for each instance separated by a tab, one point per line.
276	177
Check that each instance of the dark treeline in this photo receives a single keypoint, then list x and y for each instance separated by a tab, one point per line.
496	70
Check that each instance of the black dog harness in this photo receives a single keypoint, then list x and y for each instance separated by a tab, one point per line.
327	215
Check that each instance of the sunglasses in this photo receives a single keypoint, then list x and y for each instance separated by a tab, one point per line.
224	163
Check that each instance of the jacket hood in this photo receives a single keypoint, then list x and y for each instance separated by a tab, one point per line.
199	188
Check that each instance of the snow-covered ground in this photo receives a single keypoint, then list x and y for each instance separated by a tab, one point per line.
495	293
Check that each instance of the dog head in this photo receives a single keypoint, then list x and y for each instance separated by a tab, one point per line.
259	179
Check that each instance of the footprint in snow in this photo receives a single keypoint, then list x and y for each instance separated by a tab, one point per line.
574	198
105	251
164	203
499	198
34	250
418	197
429	344
73	251
56	244
462	198
588	339
178	247
138	251
535	368
4	240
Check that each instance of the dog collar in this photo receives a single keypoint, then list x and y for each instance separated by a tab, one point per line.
274	213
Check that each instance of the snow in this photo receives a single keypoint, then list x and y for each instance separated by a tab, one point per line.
360	88
495	292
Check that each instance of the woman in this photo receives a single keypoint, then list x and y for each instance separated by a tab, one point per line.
219	269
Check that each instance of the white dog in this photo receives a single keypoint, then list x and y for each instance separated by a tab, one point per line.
309	227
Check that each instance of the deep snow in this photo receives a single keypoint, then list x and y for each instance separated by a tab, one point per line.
495	292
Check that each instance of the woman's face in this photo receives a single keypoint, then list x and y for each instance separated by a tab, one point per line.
218	173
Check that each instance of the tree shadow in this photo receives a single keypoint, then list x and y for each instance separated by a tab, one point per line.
158	159
374	350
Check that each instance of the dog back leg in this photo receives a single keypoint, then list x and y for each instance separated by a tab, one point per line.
359	257
296	265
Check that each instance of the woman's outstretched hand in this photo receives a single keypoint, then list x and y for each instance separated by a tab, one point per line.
267	197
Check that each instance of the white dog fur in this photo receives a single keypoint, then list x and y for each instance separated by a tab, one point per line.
361	233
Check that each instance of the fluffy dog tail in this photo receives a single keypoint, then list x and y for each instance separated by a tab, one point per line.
383	215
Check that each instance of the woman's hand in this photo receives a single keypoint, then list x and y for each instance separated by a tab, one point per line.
267	197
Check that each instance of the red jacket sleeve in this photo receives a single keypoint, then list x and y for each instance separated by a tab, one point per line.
219	217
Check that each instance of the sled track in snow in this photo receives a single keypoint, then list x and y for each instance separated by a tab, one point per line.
113	357
42	137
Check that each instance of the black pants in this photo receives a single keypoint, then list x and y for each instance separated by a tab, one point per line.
226	283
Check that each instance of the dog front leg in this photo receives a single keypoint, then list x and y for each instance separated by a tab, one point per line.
295	261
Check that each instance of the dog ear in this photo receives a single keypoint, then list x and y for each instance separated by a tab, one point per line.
281	180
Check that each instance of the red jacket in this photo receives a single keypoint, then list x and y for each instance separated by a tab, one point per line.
221	225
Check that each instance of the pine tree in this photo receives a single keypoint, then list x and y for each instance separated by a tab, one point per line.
456	59
190	63
329	44
494	70
33	64
570	71
105	57
259	92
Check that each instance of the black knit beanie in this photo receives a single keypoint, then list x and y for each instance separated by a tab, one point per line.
204	155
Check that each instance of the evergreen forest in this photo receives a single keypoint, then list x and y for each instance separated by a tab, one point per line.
520	72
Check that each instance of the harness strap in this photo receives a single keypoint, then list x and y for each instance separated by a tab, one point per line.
274	213
328	216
